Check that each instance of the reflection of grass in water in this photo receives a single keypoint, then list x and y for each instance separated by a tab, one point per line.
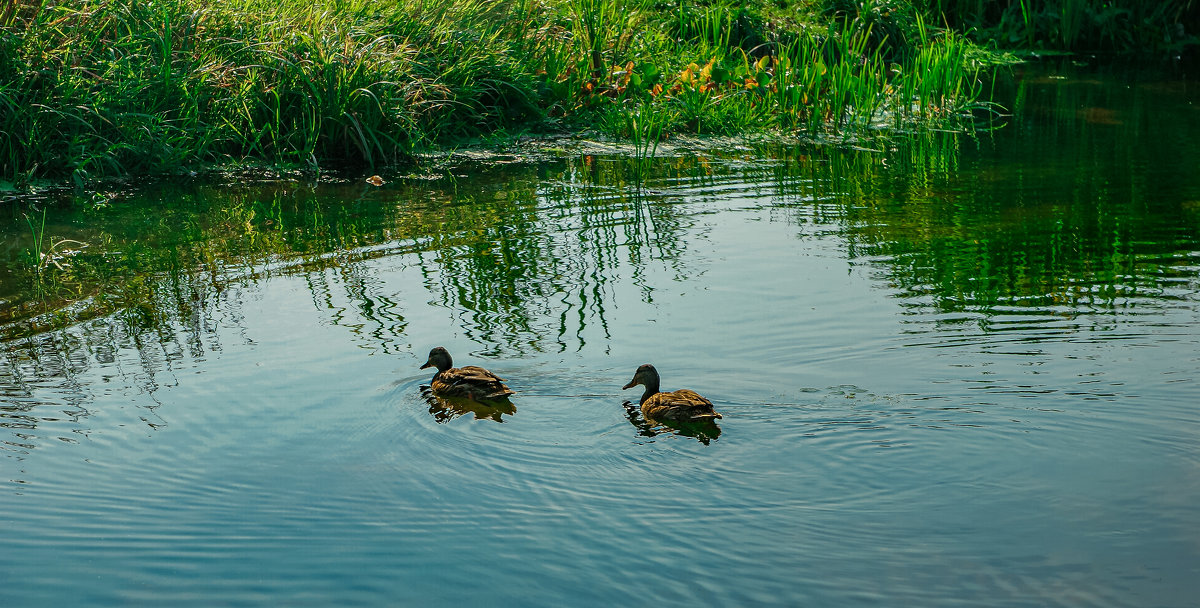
526	255
43	257
533	271
135	256
952	225
1122	26
490	248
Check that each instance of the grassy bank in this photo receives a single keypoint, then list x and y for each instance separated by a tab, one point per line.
91	89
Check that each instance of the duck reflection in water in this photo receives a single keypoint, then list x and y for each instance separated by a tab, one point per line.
684	411
703	431
445	409
454	391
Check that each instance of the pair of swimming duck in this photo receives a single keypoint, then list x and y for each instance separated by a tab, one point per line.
478	384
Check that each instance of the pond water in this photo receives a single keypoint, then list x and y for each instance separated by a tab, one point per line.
953	371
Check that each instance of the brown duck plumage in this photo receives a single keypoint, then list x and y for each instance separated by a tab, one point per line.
474	383
683	404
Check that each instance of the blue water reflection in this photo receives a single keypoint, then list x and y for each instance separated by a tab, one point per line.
957	372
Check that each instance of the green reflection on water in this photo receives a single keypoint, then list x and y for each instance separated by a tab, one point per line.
1085	199
1058	213
1088	199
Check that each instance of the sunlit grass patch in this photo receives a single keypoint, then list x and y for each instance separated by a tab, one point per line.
93	89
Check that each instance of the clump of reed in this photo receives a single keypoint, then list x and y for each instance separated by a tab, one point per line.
815	80
126	87
92	89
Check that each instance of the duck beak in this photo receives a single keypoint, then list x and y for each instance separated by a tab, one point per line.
427	364
632	383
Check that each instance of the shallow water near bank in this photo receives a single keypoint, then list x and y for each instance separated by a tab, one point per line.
953	371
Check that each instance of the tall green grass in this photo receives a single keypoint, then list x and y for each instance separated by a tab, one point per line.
119	87
104	88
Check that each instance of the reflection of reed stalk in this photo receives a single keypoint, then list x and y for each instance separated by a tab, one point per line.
1072	25
57	250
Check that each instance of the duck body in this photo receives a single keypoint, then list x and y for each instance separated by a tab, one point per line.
470	382
682	405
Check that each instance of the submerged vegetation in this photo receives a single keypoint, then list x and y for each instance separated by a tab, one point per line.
104	88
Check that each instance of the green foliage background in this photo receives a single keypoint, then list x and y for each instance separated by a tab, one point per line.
98	88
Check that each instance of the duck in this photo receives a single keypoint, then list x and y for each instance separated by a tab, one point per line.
471	382
681	405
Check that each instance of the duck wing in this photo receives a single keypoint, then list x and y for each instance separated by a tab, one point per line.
471	382
682	404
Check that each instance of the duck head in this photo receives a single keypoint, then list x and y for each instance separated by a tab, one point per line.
439	358
647	376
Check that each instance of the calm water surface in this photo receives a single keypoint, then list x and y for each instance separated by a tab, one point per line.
957	371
